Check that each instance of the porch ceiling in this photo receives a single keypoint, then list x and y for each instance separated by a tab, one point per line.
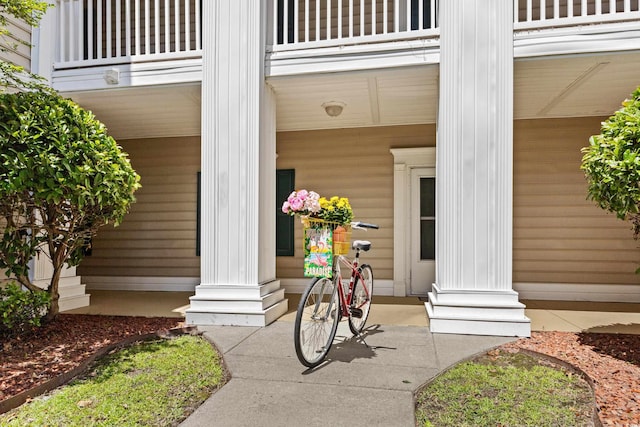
564	86
145	112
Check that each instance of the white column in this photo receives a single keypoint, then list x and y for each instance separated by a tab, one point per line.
473	290
237	258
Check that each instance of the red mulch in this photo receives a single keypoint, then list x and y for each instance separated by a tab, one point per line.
63	344
611	360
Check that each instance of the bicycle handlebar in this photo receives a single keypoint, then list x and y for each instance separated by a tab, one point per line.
363	225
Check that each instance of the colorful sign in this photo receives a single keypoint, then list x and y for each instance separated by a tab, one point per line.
318	252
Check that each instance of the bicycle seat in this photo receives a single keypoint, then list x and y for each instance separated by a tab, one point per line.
361	244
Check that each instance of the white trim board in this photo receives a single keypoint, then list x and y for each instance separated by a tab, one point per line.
135	283
297	286
578	292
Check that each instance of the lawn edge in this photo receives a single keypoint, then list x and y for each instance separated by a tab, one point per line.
14	401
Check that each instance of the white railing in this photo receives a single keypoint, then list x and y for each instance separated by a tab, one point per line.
301	24
535	14
100	32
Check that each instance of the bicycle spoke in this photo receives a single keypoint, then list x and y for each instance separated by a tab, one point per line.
361	299
316	322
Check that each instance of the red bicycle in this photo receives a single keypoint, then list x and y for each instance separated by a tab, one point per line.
326	301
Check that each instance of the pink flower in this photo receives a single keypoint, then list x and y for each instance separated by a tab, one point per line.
302	194
285	207
296	204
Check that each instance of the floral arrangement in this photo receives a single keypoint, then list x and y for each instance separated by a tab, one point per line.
310	204
336	209
302	202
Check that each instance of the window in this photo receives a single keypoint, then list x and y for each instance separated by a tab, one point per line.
427	218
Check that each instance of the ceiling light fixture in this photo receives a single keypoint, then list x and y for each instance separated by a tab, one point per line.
333	108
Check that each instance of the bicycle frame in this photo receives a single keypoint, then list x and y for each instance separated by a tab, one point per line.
346	299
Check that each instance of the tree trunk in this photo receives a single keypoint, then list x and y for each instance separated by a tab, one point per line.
58	262
54	308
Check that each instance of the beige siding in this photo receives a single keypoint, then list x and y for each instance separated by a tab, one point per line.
559	236
22	53
158	236
353	163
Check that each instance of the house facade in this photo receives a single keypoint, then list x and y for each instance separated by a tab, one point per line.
460	135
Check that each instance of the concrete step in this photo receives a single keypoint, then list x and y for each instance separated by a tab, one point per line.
71	291
73	302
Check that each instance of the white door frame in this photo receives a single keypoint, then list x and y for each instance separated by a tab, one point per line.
419	268
404	160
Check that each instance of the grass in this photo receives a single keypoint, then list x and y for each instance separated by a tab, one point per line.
151	383
505	389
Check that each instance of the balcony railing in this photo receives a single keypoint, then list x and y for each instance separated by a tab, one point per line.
304	24
538	14
101	32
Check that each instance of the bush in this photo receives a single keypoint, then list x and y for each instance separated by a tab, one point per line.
62	177
21	311
611	163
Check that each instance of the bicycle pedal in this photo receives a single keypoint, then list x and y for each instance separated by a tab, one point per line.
355	312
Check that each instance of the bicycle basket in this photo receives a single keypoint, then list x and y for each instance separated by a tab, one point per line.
341	233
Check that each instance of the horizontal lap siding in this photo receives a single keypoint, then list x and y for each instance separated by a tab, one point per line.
353	163
21	33
158	235
559	236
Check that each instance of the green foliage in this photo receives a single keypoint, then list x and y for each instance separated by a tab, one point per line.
20	311
611	163
61	178
29	11
151	384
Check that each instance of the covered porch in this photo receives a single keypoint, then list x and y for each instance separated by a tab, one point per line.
252	107
563	316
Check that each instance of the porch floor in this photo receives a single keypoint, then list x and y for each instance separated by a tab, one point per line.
565	316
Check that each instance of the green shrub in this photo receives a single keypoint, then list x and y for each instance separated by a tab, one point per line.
21	311
62	177
611	163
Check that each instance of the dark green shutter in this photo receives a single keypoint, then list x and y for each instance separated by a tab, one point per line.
198	206
285	184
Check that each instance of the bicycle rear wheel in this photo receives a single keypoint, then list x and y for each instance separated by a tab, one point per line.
316	321
361	300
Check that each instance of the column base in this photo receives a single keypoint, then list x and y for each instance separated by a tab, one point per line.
477	312
237	305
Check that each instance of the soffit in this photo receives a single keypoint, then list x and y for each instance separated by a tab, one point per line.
564	86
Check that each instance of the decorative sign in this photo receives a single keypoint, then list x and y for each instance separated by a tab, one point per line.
318	252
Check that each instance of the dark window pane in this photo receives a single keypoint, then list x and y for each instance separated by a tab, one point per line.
427	197
427	239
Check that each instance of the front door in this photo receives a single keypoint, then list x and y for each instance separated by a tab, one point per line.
423	230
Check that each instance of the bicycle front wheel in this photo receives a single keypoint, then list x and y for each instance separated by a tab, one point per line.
361	300
316	321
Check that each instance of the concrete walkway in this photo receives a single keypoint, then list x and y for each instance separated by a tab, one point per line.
360	384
